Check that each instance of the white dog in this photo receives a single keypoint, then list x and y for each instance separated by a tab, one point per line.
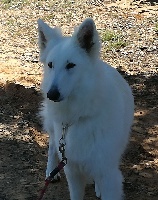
95	103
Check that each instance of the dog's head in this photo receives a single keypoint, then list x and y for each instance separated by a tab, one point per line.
68	61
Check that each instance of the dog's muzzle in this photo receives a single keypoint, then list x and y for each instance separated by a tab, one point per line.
54	95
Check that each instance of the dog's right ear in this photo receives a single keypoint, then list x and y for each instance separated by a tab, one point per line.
47	34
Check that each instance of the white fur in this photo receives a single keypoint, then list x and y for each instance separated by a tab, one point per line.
96	102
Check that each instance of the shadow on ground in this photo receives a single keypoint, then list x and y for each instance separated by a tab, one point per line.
24	149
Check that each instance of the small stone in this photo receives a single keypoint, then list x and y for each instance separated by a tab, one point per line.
146	174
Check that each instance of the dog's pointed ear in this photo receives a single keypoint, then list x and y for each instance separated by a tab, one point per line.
46	34
87	37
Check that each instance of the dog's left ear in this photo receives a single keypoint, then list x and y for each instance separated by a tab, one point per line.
87	37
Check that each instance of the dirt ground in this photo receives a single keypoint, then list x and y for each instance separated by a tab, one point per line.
23	144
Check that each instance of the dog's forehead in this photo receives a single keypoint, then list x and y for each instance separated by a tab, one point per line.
63	51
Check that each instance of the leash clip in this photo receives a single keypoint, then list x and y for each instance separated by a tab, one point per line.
62	149
62	143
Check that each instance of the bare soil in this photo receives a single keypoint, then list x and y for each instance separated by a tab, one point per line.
24	145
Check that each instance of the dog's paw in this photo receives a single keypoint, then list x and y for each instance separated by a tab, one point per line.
97	191
56	178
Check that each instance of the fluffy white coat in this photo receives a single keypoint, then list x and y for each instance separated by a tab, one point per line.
94	100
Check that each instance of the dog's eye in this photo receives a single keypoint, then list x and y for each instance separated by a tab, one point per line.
50	65
70	65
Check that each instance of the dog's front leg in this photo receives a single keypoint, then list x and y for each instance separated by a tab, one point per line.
110	185
76	182
52	158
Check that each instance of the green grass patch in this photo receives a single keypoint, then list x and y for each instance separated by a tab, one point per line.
14	3
156	28
21	3
112	40
108	36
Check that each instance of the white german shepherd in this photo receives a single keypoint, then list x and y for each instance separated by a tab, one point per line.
96	104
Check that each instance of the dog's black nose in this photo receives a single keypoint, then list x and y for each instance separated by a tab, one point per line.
53	94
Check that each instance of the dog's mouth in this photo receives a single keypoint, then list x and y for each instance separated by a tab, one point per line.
58	100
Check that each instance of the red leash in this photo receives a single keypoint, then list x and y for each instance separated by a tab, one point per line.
51	176
61	165
44	189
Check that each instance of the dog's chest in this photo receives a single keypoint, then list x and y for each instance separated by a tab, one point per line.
79	139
